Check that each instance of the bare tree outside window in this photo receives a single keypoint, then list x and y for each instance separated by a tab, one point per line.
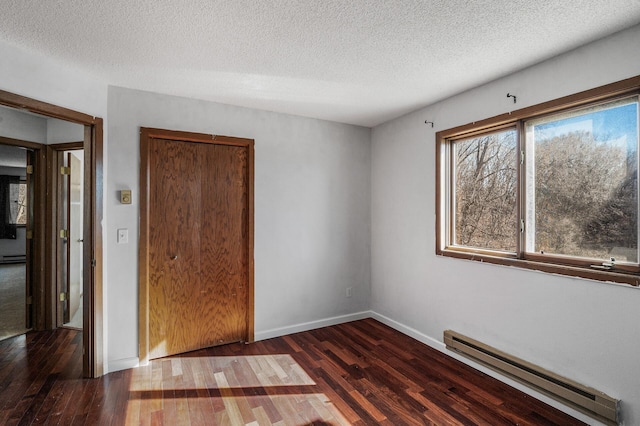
486	191
18	198
585	183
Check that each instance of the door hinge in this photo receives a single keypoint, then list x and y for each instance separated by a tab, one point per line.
65	170
64	233
29	169
30	300
29	235
521	225
63	297
93	263
521	157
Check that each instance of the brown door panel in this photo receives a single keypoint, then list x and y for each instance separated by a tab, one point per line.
197	245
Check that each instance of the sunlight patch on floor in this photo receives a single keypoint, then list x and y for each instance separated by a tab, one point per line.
234	390
231	371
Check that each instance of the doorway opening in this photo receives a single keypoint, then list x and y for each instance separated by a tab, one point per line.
63	259
15	274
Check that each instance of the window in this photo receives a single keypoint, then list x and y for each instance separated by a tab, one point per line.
552	187
12	206
18	199
486	180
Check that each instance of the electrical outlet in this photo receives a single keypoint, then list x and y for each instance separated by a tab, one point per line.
349	291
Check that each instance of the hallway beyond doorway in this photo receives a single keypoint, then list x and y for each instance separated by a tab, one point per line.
12	300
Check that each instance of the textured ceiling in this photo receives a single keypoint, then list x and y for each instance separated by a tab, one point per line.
354	61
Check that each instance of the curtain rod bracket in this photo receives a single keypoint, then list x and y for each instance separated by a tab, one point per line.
509	95
429	122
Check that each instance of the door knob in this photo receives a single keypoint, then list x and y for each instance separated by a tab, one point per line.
174	257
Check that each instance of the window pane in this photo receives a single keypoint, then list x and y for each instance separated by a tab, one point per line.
18	206
582	174
486	191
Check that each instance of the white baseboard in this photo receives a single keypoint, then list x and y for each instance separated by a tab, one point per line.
411	332
122	364
125	363
306	326
440	346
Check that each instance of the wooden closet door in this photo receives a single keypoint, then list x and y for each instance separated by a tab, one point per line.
197	244
224	241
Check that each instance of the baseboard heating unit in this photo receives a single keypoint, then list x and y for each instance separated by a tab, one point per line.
583	398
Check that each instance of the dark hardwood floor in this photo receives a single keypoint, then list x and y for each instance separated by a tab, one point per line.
361	373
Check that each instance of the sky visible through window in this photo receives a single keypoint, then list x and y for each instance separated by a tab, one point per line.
618	124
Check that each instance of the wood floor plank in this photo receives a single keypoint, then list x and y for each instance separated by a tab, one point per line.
359	373
169	414
38	400
67	415
102	408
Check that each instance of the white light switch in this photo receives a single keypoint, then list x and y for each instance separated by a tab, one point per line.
123	236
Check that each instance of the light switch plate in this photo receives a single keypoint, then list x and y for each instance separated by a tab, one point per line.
123	236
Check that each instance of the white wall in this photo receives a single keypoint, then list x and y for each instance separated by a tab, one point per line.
20	125
49	80
25	126
585	330
14	247
59	131
312	203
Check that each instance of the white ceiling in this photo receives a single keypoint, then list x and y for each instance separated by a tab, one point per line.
354	61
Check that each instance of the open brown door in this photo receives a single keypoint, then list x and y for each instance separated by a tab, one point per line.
196	242
69	213
30	198
62	257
